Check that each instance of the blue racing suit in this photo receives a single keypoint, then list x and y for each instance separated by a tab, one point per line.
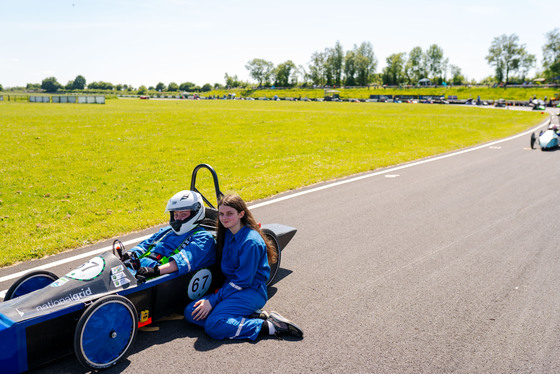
246	270
195	249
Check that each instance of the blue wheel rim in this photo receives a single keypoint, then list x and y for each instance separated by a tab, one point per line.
32	284
107	333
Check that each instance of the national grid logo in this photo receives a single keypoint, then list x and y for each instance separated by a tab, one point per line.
64	300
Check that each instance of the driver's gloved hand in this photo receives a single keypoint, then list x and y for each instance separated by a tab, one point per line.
147	272
131	260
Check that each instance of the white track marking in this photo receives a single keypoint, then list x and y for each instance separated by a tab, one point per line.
287	197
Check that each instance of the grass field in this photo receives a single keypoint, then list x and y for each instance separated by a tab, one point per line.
516	93
74	174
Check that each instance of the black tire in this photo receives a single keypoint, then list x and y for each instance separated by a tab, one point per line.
274	267
105	332
30	282
533	140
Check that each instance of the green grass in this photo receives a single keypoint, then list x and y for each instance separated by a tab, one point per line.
462	92
74	174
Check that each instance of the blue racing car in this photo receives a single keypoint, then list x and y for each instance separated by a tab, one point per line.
95	310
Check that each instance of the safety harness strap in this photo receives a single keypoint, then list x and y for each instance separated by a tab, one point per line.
163	259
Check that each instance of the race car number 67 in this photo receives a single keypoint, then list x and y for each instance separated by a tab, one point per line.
199	284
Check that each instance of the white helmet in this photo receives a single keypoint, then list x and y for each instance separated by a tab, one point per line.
185	200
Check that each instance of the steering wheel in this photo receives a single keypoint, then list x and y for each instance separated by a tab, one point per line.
118	248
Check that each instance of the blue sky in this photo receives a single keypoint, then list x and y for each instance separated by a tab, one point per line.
139	42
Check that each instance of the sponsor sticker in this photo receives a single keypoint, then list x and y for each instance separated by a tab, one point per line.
65	299
144	315
117	269
121	282
118	276
59	282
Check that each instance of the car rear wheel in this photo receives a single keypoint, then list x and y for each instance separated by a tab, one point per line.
274	266
533	140
30	282
105	332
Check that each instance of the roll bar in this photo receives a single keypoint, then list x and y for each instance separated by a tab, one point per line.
219	194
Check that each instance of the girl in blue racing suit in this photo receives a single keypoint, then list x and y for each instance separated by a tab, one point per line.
242	252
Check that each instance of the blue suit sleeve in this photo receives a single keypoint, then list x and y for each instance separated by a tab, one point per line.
144	246
200	252
249	255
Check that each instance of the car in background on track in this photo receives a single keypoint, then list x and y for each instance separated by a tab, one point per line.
547	139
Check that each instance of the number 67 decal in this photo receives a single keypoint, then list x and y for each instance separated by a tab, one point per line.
199	284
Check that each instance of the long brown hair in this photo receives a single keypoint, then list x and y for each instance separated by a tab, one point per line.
237	203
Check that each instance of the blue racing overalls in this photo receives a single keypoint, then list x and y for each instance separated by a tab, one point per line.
246	270
195	249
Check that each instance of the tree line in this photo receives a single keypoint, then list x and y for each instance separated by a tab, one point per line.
334	66
51	84
357	67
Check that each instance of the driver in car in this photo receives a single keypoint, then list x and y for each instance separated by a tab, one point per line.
182	246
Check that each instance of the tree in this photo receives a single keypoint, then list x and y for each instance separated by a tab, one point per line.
283	73
393	73
416	65
456	75
526	62
79	83
142	90
160	87
187	86
334	63
260	70
232	81
350	68
295	74
33	86
365	61
551	54
107	86
508	57
173	87
328	69
50	84
436	65
317	70
69	85
1	88
206	88
336	60
303	74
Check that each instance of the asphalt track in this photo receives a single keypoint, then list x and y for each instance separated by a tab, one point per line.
444	266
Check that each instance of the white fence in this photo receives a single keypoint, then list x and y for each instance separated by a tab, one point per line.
40	99
68	99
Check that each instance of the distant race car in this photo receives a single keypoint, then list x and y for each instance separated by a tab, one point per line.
538	104
547	139
96	309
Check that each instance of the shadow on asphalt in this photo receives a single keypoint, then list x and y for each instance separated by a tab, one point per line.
167	331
